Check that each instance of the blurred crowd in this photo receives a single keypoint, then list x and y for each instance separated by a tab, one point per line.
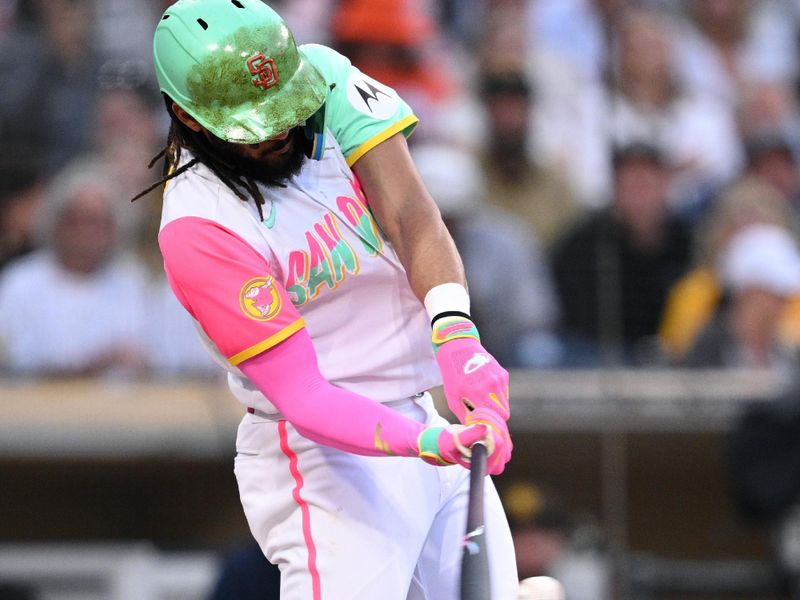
620	176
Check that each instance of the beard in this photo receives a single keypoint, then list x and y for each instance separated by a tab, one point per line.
267	169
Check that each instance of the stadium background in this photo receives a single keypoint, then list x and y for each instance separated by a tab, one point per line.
621	179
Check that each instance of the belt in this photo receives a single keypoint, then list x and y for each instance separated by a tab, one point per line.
261	414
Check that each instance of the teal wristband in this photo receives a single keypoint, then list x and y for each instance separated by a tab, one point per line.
428	443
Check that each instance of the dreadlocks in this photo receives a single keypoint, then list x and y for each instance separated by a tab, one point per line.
179	137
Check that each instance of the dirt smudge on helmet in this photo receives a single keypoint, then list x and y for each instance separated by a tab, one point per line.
222	84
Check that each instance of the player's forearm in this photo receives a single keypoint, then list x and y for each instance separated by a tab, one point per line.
429	257
355	424
408	216
288	375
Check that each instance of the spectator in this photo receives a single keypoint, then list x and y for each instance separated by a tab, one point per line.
21	196
577	31
7	17
768	108
464	20
125	136
730	46
308	20
173	345
123	30
503	262
548	542
613	270
694	298
399	43
174	348
539	196
49	79
540	526
769	124
390	40
759	270
771	157
74	307
503	41
697	133
565	53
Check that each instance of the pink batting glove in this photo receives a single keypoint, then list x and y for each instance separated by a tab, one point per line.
498	441
471	376
443	446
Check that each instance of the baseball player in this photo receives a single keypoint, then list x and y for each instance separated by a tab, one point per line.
298	235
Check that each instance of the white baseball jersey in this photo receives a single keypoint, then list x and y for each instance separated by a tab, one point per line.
317	259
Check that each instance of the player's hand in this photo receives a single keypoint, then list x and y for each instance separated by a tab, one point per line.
471	376
442	446
498	439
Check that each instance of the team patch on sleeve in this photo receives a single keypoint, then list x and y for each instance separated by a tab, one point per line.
259	299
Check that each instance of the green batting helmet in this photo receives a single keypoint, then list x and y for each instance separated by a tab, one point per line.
234	66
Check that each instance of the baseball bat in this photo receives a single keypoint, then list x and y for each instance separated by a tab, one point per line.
475	581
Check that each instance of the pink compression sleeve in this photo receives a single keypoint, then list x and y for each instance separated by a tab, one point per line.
288	375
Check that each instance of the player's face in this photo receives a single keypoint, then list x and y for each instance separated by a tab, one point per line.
272	162
273	153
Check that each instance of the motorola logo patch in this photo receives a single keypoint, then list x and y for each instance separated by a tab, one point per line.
370	97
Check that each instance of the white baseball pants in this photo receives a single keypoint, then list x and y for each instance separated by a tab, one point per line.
348	527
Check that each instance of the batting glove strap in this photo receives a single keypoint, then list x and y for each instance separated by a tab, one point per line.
453	328
428	444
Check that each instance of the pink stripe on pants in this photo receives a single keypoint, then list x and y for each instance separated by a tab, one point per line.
316	585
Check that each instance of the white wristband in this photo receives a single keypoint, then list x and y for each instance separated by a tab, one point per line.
446	297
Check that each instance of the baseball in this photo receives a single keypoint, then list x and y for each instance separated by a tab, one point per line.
541	588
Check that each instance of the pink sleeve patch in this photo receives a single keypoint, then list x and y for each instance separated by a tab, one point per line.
228	287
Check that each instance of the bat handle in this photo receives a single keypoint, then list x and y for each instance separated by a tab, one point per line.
475	584
477	474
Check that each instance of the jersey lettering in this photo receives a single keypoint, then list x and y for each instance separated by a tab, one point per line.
355	211
321	271
296	284
343	259
326	263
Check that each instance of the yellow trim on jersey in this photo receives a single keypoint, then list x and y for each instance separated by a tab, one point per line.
381	137
268	343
